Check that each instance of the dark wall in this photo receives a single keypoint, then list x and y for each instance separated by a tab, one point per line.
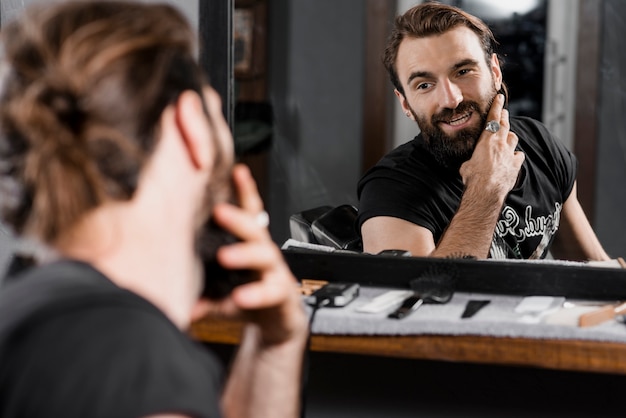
610	219
316	56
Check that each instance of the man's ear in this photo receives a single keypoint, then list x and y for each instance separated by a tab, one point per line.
405	105
193	126
496	71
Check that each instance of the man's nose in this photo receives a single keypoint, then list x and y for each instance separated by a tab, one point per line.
450	95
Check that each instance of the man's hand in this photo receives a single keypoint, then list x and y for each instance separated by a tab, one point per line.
488	176
495	165
273	302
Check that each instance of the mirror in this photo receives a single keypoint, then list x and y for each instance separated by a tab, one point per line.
319	88
333	111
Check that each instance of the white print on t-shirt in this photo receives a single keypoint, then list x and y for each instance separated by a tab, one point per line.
543	226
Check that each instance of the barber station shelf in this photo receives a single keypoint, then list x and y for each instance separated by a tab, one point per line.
508	277
571	355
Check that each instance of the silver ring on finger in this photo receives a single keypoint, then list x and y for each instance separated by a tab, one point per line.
262	219
492	126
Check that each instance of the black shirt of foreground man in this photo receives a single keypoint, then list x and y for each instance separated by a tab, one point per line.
74	344
409	184
117	163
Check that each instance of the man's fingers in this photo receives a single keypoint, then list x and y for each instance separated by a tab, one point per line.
495	113
247	225
504	118
249	221
512	139
249	198
259	295
248	255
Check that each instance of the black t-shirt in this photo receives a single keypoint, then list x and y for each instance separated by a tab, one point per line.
73	344
409	184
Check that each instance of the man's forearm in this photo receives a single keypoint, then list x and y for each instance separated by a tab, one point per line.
265	381
471	230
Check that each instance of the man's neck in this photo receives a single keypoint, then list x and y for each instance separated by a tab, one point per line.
151	260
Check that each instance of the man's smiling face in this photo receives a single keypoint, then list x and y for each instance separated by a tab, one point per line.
448	89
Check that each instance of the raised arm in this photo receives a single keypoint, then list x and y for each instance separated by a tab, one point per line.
488	177
264	380
470	232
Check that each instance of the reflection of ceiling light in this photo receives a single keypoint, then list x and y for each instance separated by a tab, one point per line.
500	9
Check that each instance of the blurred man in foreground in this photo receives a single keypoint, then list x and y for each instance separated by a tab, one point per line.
114	154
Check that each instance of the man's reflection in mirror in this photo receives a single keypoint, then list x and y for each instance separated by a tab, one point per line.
476	182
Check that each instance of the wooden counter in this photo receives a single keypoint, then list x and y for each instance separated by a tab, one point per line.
585	356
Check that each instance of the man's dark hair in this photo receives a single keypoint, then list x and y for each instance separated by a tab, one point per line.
83	85
429	19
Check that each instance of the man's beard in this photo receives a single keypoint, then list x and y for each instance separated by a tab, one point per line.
219	189
452	151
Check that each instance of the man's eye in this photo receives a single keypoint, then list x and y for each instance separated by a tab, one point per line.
422	86
464	71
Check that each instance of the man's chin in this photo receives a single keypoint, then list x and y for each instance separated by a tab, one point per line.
450	154
451	161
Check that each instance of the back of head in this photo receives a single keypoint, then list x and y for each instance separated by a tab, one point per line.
82	88
431	19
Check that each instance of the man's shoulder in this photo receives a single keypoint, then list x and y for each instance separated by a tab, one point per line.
410	156
75	300
526	123
92	332
61	284
55	274
68	290
525	127
536	135
400	162
400	153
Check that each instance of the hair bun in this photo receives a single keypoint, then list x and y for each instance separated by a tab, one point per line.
64	105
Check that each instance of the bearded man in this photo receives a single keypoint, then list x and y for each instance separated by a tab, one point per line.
475	182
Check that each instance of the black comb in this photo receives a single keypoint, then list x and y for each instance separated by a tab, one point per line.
435	285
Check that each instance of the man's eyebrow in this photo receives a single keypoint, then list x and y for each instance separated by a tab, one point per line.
464	63
427	74
419	74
